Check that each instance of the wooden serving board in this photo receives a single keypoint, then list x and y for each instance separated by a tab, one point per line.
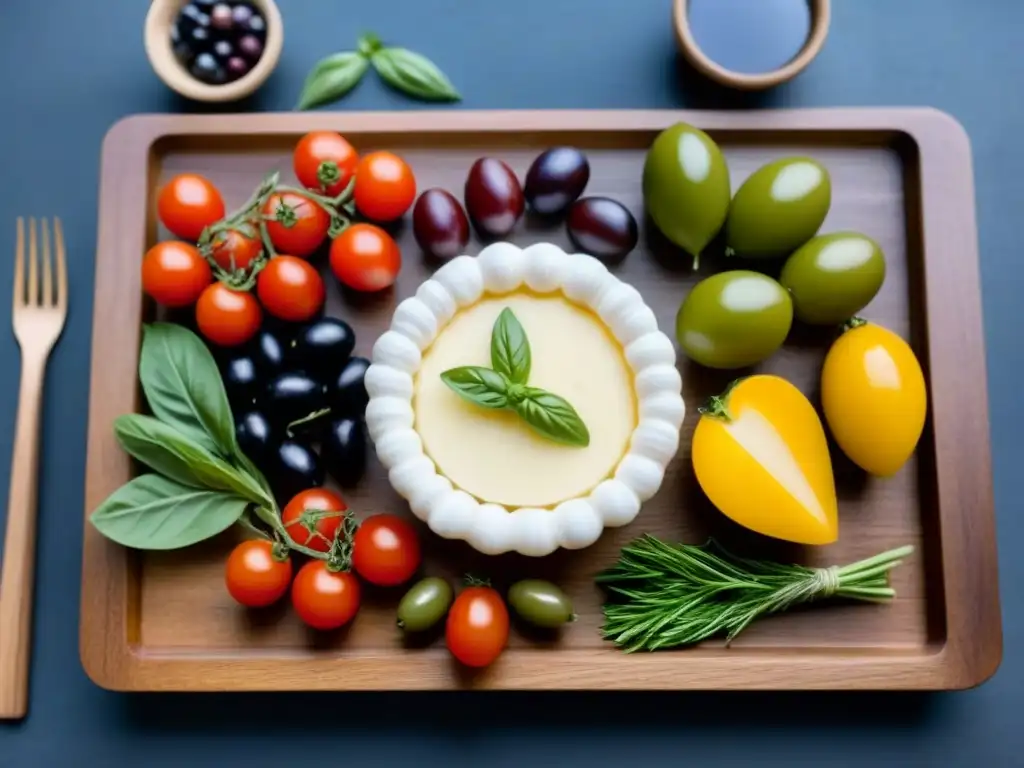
903	176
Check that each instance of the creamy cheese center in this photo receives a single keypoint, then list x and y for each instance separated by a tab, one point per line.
494	455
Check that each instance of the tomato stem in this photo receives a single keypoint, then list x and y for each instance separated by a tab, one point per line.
339	558
472	580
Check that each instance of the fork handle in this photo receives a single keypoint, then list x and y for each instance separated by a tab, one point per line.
16	580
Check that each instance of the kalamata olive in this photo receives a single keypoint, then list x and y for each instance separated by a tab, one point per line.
221	17
322	347
294	467
268	352
292	396
206	69
255	437
556	178
241	381
602	227
236	67
424	605
343	451
250	47
541	603
440	224
347	395
494	199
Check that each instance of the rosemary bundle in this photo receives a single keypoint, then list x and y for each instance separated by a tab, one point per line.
663	595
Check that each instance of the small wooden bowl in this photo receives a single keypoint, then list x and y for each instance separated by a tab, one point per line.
162	14
820	17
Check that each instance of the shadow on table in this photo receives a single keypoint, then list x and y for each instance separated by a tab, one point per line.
300	714
699	92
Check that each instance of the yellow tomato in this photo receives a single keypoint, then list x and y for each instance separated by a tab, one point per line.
874	397
760	454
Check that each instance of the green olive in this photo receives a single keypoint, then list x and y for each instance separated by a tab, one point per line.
778	208
541	603
425	604
833	277
686	187
734	319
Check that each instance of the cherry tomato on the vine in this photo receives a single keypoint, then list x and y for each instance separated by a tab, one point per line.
385	550
324	162
323	598
234	244
187	204
311	532
477	627
365	257
290	289
385	186
174	273
296	224
254	577
227	317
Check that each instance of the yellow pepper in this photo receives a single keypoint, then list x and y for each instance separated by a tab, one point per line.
874	397
760	455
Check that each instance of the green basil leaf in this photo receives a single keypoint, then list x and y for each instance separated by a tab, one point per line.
413	74
154	512
332	78
510	349
184	388
553	417
175	456
481	386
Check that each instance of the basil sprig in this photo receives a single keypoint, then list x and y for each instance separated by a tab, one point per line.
504	386
406	71
201	483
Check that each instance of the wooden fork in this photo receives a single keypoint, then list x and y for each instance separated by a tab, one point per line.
40	308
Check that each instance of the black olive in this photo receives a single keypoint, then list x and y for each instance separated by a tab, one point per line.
292	396
268	352
555	179
221	17
256	25
241	381
223	50
347	395
204	5
193	13
255	437
250	47
294	467
344	451
206	69
323	347
199	39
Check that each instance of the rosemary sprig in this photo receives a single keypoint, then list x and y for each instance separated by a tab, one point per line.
663	595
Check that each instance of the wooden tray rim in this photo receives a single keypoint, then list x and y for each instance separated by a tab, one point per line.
972	649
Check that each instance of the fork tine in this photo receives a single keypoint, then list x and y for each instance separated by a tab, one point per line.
33	264
62	268
19	266
47	299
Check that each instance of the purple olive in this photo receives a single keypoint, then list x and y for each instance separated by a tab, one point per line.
602	227
241	14
555	179
221	17
439	224
250	47
494	199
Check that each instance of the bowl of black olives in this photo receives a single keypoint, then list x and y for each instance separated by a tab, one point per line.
214	50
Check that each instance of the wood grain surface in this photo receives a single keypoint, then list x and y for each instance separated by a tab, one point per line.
163	621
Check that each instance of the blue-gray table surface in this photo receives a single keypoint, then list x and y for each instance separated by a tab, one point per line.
71	68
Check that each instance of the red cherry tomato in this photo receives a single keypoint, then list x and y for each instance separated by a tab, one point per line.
477	627
187	204
296	224
385	186
385	550
175	273
233	244
325	599
365	258
227	317
311	532
290	289
254	577
324	162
